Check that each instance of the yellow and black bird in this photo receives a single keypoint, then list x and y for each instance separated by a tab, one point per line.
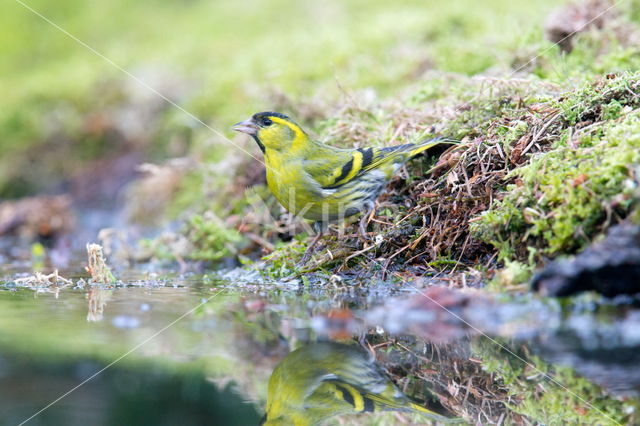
327	379
320	182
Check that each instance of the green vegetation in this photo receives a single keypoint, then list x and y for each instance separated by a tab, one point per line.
514	184
97	266
211	238
563	197
533	178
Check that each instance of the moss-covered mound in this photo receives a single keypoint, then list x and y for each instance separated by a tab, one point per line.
533	177
545	163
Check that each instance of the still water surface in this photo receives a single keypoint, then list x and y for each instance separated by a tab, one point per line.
201	351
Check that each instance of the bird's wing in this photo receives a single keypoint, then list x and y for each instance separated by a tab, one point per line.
361	400
339	167
382	157
333	167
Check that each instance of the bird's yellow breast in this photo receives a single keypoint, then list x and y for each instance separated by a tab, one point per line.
291	186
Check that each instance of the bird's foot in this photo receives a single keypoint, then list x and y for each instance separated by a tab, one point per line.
305	257
308	252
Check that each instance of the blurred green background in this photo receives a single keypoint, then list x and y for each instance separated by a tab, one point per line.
72	122
67	114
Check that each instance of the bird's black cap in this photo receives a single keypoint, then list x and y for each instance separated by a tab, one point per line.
259	115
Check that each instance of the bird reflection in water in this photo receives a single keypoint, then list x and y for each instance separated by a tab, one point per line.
327	379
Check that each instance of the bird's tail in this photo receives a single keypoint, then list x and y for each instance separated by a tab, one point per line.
432	414
420	147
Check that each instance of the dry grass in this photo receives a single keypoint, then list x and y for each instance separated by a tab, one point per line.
97	267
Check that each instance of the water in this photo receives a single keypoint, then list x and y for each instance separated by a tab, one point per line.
201	350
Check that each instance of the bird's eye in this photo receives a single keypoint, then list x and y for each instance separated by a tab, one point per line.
266	122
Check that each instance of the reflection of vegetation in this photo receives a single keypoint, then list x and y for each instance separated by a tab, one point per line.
448	372
530	392
323	380
481	382
97	298
241	338
145	394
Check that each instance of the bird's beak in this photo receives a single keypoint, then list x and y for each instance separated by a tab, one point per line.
247	126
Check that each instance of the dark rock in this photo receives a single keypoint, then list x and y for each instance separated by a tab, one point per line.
610	267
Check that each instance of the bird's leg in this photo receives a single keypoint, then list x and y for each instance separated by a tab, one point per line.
311	248
362	227
364	221
309	251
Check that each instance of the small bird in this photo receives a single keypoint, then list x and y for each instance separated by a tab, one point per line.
326	379
320	182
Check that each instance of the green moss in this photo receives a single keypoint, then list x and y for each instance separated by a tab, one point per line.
612	110
212	239
475	118
603	100
562	198
511	133
282	262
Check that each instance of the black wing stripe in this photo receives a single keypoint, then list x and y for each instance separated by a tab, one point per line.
346	395
369	406
346	169
367	156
